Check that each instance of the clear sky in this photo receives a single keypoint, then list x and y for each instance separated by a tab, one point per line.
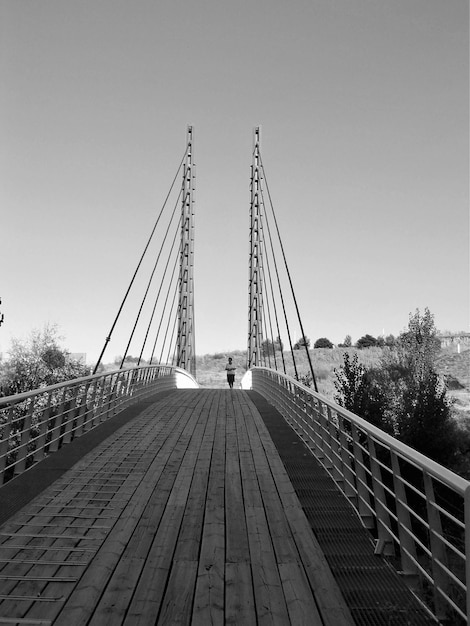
364	108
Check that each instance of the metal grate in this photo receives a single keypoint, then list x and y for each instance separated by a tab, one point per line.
374	591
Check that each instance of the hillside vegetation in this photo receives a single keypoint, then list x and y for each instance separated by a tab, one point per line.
455	367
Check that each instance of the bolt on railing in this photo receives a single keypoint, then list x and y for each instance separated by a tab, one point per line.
417	510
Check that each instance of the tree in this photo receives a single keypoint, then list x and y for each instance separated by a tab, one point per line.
350	385
323	342
419	346
404	396
425	422
347	342
303	342
278	344
38	362
268	347
367	341
390	341
424	417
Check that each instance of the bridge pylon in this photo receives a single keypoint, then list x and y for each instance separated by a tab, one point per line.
185	348
255	321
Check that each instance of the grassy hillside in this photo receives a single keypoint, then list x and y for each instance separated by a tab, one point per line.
210	367
455	367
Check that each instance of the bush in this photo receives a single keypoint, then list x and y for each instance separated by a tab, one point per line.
38	362
303	342
404	395
367	341
323	342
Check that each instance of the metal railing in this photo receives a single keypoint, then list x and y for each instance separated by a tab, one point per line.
417	510
37	423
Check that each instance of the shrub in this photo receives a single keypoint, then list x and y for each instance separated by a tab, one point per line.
367	341
303	342
323	342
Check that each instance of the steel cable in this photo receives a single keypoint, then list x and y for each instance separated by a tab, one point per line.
289	278
108	338
178	227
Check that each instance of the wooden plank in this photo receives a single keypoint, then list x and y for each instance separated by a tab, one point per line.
301	605
269	597
239	600
160	517
86	595
279	529
209	594
329	598
177	603
237	549
189	539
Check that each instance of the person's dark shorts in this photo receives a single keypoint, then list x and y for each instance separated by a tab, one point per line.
230	378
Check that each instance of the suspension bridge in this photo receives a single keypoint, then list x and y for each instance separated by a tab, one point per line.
135	496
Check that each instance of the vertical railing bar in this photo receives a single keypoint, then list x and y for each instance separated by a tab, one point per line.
385	540
408	556
69	415
22	448
467	549
44	422
350	487
438	551
5	443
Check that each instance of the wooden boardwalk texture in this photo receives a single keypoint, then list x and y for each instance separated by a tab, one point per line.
185	515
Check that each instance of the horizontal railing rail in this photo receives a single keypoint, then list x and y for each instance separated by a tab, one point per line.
417	510
37	423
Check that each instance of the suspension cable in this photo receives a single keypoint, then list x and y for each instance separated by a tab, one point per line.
150	280
175	345
289	278
281	296
174	306
273	304
164	305
108	338
178	227
168	324
276	317
266	345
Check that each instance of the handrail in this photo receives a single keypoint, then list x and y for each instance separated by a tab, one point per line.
37	423
415	508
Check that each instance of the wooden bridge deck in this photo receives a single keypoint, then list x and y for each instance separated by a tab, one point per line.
184	515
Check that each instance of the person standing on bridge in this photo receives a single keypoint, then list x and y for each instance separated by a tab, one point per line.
230	372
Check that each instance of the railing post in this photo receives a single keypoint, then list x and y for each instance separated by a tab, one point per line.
20	464
385	543
90	419
69	417
107	399
334	448
55	430
467	548
363	494
316	424
5	443
407	546
349	486
44	422
438	552
82	409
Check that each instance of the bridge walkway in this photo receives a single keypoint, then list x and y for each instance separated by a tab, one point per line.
184	515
